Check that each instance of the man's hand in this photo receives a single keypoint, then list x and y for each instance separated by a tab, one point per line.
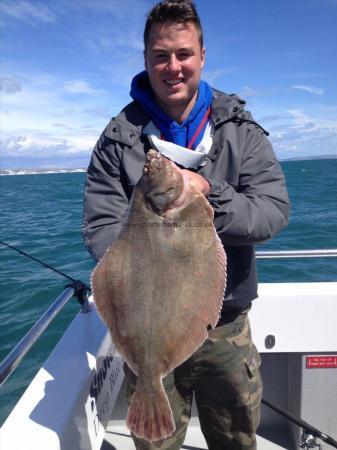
198	181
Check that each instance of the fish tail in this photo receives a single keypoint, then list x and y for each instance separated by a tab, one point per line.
150	416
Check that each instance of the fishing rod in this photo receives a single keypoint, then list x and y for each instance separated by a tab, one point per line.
43	264
74	289
309	429
301	423
314	432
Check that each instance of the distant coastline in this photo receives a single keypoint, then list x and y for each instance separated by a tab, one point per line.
309	158
40	171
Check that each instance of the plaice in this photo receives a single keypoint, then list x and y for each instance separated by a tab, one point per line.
160	286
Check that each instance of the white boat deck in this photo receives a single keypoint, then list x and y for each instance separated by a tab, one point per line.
70	403
117	437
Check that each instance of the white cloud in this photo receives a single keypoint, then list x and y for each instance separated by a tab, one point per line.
26	11
211	76
118	9
304	134
271	118
119	34
81	87
9	85
311	89
40	121
248	91
112	41
45	146
42	102
300	118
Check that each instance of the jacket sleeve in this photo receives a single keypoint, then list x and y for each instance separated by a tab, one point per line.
258	207
105	200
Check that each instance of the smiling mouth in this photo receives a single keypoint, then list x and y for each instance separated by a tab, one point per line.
173	82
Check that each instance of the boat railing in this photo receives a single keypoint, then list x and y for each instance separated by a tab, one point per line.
296	253
13	359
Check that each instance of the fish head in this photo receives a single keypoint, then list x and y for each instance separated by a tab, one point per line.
163	181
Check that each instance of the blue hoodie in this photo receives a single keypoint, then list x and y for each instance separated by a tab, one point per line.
180	134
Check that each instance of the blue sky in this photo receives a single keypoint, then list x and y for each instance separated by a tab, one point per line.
66	67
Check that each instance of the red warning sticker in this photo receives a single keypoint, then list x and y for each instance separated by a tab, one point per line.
321	362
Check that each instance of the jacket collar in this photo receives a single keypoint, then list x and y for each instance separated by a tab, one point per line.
127	127
225	107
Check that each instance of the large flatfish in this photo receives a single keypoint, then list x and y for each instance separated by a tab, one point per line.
160	286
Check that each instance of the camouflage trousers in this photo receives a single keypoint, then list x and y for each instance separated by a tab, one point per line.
225	379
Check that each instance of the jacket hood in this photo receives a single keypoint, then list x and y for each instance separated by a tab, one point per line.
128	125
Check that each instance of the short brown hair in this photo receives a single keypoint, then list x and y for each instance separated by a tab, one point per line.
181	11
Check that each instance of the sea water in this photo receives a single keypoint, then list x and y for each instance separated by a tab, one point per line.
42	215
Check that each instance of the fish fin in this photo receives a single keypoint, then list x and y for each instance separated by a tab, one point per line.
209	316
107	279
218	292
149	415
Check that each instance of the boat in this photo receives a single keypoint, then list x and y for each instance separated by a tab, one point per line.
77	399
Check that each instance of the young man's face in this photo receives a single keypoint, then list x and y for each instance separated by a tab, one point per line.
173	60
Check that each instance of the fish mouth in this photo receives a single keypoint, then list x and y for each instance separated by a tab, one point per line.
154	162
163	183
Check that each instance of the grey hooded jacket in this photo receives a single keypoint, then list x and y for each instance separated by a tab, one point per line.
248	191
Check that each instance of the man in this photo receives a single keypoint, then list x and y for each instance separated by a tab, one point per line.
228	157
